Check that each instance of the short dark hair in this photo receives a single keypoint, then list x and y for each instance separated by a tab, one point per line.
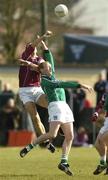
41	65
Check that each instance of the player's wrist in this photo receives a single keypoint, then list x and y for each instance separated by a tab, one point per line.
29	63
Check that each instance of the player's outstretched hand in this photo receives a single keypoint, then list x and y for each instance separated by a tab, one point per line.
94	117
40	38
89	88
48	33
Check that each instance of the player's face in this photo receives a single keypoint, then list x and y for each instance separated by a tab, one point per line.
46	69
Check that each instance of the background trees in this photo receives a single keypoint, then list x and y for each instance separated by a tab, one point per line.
22	20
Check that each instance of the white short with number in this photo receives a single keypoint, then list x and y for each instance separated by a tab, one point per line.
60	111
104	127
30	94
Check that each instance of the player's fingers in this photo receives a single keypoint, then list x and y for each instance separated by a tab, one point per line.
90	89
49	33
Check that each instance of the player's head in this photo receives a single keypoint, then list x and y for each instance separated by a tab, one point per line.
45	68
10	104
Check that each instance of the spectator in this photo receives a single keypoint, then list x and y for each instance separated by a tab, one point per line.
6	94
81	138
80	103
83	101
10	119
100	87
7	90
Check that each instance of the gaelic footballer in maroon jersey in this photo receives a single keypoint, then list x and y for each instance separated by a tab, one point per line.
28	77
30	91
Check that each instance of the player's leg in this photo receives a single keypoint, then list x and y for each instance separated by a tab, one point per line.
69	135
106	173
42	101
101	147
28	96
38	126
106	140
53	130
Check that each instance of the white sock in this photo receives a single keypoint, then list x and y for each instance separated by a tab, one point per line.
103	158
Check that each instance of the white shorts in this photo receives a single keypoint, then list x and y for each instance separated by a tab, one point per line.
104	127
60	111
30	94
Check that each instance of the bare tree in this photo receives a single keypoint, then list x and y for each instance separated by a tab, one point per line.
14	19
19	17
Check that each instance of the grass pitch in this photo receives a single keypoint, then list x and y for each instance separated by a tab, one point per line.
40	164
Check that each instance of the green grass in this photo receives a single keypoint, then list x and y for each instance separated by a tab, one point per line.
40	164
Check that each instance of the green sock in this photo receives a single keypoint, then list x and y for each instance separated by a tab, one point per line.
29	147
64	159
102	162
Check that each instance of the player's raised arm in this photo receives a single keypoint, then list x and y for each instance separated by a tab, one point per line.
30	47
36	41
44	46
48	56
87	87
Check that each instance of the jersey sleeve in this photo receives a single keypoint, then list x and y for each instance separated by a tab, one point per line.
69	84
28	51
59	84
49	57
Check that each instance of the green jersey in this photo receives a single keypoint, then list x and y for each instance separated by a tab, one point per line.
53	88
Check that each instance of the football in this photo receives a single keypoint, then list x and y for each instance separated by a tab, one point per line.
61	10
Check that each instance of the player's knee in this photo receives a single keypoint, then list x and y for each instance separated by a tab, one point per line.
104	139
101	139
98	142
53	135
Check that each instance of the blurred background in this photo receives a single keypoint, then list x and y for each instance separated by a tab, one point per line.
80	46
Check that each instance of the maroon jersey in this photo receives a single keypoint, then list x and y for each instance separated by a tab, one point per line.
28	77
